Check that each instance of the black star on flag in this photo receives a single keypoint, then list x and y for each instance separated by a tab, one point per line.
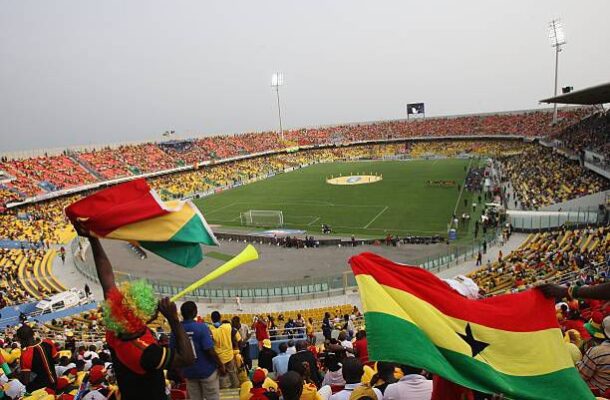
475	345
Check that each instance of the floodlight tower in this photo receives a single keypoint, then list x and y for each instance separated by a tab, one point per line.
558	39
277	80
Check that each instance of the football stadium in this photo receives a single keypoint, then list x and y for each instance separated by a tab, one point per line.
462	255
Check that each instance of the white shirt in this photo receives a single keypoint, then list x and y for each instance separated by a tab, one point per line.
59	369
291	350
348	345
349	388
94	395
409	387
90	355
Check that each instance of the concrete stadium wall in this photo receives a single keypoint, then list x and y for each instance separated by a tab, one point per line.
591	201
10	315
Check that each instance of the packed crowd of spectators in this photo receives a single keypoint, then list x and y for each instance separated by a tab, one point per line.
44	222
46	174
592	133
547	256
541	177
454	148
216	176
303	359
43	174
38	223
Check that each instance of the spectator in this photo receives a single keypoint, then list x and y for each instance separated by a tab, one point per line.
291	349
303	355
260	330
346	344
412	386
361	347
258	389
309	330
326	326
224	343
334	373
244	346
139	368
202	378
266	355
291	385
384	376
37	360
352	374
280	362
348	326
594	365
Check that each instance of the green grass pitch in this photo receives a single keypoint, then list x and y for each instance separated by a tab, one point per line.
402	203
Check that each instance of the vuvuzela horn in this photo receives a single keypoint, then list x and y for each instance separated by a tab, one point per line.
248	254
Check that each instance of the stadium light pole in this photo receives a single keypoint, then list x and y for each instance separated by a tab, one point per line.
277	80
558	39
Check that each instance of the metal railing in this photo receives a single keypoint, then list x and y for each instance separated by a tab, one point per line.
529	221
301	289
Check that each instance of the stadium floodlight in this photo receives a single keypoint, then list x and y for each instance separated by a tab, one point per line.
557	38
277	80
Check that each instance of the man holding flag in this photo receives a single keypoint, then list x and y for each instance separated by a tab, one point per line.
173	230
138	359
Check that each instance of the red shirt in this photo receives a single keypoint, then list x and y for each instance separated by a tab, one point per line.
260	328
577	325
138	364
360	346
39	359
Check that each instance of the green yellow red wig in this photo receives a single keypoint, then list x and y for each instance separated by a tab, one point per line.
129	307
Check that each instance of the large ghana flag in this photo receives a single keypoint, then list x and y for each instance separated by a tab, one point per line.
132	211
507	344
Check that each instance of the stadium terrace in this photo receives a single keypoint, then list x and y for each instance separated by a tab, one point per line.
482	173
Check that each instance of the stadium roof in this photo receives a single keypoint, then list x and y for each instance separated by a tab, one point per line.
599	94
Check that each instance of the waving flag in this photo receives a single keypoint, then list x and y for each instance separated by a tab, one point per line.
508	344
132	211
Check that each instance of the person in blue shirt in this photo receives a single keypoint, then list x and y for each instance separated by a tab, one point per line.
202	378
280	362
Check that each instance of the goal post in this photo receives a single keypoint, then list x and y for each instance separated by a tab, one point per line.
262	218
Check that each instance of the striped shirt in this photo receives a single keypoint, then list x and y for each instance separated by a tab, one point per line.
595	366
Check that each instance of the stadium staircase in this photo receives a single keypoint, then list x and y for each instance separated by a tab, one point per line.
37	278
85	164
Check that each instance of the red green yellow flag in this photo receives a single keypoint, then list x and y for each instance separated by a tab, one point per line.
508	344
132	211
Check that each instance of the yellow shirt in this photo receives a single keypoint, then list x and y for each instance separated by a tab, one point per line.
244	391
222	342
310	392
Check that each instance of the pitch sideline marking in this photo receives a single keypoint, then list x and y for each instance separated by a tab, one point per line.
375	217
457	203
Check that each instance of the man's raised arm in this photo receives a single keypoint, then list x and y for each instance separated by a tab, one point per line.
102	263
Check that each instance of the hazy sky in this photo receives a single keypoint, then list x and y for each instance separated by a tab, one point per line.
84	71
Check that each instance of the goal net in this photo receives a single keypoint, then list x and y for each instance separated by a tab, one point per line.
263	218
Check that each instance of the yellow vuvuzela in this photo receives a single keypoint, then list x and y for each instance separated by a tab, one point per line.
248	254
